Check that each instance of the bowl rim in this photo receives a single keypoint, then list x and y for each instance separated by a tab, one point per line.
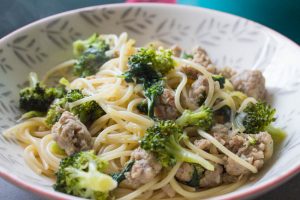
268	185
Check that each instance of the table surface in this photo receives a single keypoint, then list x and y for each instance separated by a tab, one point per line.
16	13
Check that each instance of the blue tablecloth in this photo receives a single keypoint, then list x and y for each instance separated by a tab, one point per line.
285	19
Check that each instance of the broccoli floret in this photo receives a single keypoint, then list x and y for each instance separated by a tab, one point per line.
56	109
142	73
151	93
82	175
74	95
91	54
37	97
149	65
220	79
162	61
119	177
256	118
201	118
53	114
88	112
80	46
163	139
140	68
89	63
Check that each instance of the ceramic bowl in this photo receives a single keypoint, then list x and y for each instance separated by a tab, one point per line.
229	40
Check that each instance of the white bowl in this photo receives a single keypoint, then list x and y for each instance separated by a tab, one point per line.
229	40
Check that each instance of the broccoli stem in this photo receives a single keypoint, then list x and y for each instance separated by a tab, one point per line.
278	135
32	114
150	105
185	119
33	79
57	150
184	155
93	179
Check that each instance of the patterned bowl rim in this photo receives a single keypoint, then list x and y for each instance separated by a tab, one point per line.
60	196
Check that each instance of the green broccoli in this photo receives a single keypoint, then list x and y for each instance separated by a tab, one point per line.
80	46
56	109
74	95
149	65
91	54
201	118
162	61
151	93
81	174
163	139
87	112
256	118
120	176
37	97
53	114
220	79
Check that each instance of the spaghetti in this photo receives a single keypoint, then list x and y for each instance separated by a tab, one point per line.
117	133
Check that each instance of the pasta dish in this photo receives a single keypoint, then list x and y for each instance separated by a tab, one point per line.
153	122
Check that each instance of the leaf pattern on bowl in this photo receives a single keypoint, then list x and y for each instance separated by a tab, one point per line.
136	20
4	66
4	92
61	33
229	61
212	32
264	55
9	113
10	108
27	50
170	31
241	32
96	17
209	32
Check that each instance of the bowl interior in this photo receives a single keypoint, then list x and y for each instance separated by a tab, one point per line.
229	40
